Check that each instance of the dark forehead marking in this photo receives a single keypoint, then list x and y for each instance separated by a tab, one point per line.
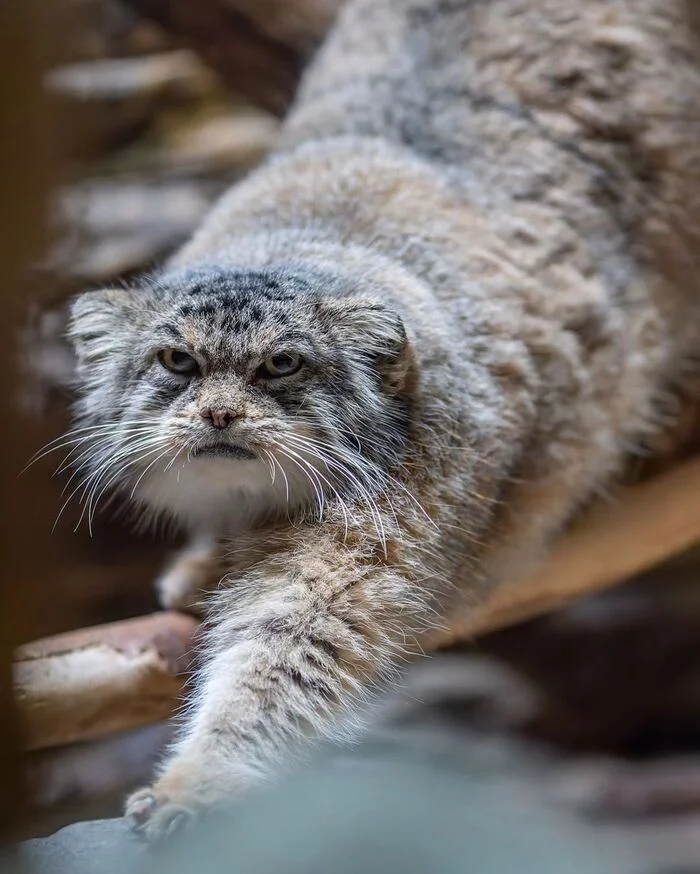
244	285
203	308
239	299
255	312
235	313
233	300
167	328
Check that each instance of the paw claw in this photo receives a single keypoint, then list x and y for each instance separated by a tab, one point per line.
156	819
178	821
140	807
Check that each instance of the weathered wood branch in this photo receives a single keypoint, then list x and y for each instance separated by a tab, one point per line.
93	682
641	527
259	47
100	680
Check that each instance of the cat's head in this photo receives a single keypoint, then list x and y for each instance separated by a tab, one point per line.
213	386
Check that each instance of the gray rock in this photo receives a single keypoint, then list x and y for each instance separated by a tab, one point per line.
422	794
101	847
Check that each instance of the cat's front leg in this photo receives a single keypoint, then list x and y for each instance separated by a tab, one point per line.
300	642
193	571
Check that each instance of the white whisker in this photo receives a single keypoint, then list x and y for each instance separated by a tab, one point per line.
91	499
316	474
143	474
357	484
118	473
71	438
315	484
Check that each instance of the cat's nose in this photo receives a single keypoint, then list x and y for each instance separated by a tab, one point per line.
220	417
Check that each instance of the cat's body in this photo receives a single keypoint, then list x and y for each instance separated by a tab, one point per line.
478	236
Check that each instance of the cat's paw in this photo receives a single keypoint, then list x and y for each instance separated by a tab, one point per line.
156	817
179	589
193	572
190	786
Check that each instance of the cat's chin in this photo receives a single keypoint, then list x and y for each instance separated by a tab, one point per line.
223	490
224	451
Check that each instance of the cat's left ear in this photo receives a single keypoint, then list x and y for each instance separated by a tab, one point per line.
100	322
372	330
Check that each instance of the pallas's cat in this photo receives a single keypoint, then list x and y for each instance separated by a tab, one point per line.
395	359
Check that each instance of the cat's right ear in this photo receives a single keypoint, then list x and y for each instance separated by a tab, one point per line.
98	323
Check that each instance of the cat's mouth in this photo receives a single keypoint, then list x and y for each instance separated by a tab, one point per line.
224	450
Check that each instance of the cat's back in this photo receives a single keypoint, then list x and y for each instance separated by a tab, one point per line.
574	126
567	130
445	76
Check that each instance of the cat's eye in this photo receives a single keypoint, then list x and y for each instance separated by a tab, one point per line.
281	364
177	361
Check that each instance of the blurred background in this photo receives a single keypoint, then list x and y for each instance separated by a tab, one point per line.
150	110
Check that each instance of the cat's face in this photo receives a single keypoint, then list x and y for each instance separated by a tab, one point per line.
212	383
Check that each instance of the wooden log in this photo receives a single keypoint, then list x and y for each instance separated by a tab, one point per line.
93	682
640	527
258	46
96	681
